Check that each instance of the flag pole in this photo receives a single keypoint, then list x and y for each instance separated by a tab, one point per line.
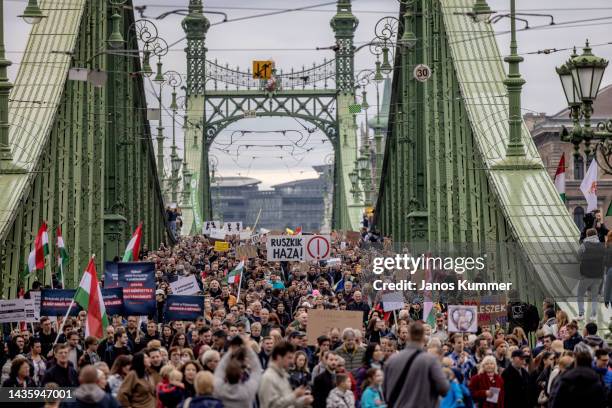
59	331
257	219
240	280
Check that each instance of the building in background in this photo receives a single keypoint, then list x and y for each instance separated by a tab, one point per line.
545	131
300	203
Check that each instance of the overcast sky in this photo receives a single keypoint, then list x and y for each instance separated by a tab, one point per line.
290	40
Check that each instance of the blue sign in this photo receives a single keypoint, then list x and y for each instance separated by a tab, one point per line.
111	275
138	282
180	307
55	302
113	301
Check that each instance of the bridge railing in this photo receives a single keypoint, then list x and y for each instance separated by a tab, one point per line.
317	77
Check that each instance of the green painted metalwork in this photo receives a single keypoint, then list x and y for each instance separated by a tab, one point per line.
87	151
446	177
218	96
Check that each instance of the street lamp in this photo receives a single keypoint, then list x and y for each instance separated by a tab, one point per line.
146	63
116	38
481	11
581	78
32	13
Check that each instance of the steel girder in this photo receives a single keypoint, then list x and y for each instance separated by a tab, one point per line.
92	165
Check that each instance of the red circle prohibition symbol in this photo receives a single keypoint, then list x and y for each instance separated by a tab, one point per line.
316	245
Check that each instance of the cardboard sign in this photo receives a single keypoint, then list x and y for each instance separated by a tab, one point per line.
491	309
462	319
222	246
246	251
321	321
185	285
393	301
352	237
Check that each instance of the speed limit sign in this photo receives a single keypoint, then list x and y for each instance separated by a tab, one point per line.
422	73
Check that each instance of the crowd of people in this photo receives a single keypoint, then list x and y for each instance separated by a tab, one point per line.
251	349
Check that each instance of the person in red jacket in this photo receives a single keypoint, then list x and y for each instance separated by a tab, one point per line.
487	387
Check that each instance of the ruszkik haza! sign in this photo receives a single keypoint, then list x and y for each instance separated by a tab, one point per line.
298	247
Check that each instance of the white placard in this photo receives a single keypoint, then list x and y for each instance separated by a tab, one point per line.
334	262
298	247
185	285
12	310
208	226
244	235
232	227
462	318
32	313
393	301
217	234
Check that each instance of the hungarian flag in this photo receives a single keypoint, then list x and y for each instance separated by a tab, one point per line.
36	260
89	296
62	256
560	177
133	248
236	274
589	186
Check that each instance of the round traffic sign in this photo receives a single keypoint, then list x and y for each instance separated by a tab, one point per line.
421	73
318	247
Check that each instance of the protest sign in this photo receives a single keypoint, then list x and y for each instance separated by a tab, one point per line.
111	278
55	302
32	314
183	308
246	251
321	321
393	301
217	234
185	285
222	246
232	227
138	282
462	318
245	235
352	237
209	226
254	239
334	262
285	248
12	310
35	294
491	309
113	301
298	247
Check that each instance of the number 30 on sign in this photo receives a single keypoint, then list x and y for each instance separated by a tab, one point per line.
422	73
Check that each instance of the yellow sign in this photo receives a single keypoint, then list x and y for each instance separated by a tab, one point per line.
369	210
262	69
222	246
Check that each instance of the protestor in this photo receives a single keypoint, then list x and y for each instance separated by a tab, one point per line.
138	387
62	373
487	387
372	396
341	396
89	394
121	368
204	386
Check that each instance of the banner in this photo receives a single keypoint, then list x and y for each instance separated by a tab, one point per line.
321	321
217	234
462	318
393	301
491	309
12	310
111	275
55	302
113	301
298	247
222	246
138	282
185	285
183	308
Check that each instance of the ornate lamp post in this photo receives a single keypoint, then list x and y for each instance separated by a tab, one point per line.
31	15
581	78
174	80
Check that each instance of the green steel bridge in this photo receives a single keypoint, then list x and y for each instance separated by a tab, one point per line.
457	166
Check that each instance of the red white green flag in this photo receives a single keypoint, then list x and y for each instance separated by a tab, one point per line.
560	178
236	274
133	248
62	256
89	296
36	260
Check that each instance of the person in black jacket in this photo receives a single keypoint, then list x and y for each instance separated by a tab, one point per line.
118	348
592	256
573	336
358	304
580	386
516	382
89	394
325	382
20	374
62	372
